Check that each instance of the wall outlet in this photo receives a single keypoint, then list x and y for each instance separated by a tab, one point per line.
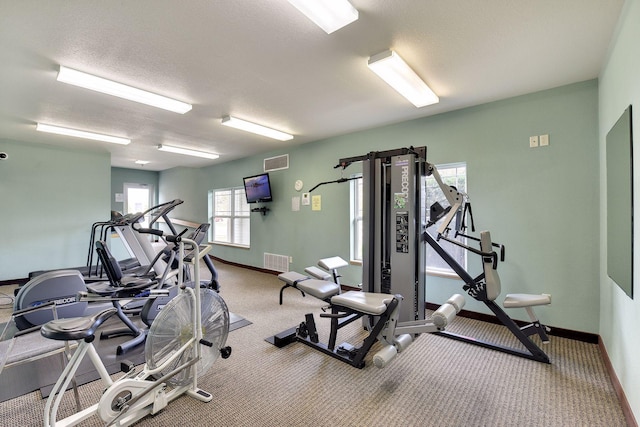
544	140
533	141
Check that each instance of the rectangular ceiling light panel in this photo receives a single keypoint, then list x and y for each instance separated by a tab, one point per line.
391	68
255	128
187	152
88	81
81	134
330	15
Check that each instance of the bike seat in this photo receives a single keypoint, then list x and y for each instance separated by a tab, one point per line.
75	328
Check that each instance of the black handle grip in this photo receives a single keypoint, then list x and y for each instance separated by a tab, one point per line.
207	343
149	231
175	239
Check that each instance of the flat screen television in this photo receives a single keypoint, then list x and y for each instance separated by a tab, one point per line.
257	188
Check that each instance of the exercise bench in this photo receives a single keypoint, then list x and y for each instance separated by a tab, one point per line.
320	283
381	312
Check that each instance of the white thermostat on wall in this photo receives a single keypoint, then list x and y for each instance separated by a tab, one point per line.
298	185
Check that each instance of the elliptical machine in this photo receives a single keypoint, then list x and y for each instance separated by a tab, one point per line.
62	286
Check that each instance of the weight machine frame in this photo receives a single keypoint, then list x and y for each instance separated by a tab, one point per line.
395	233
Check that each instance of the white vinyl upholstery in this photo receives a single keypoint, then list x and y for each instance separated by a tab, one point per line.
365	302
526	300
321	289
318	273
332	263
291	277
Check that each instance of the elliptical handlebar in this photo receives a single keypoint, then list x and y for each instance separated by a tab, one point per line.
173	238
177	238
159	211
153	231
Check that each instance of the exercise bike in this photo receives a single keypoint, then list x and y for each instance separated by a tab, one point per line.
188	335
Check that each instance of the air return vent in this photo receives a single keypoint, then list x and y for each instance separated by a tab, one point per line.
276	163
276	262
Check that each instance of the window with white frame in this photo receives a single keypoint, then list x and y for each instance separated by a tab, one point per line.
138	198
229	215
455	175
452	174
356	218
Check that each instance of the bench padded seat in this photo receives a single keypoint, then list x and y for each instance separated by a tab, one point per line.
321	289
332	263
318	273
365	302
291	277
526	300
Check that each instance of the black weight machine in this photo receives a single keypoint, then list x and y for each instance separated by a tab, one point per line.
395	237
390	317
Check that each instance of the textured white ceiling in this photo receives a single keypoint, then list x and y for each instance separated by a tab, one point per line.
264	61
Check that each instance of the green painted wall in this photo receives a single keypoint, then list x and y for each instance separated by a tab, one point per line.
619	314
50	198
541	203
184	184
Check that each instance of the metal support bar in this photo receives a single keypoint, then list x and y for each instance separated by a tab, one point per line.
289	286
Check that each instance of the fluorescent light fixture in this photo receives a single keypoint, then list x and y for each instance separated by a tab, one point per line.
254	128
81	134
88	81
142	162
330	15
392	69
187	151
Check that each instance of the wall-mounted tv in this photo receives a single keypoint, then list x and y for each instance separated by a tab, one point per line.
257	188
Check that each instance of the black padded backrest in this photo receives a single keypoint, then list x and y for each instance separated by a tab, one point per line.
111	266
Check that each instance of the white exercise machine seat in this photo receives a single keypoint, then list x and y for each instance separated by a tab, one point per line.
318	273
526	301
321	283
321	289
364	302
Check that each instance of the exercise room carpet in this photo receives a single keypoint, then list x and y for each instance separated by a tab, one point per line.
436	382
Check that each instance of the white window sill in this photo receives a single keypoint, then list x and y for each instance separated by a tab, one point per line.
232	245
443	273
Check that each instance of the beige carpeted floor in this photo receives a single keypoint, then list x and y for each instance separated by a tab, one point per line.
435	382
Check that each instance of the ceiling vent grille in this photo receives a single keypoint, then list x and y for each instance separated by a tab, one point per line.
276	163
